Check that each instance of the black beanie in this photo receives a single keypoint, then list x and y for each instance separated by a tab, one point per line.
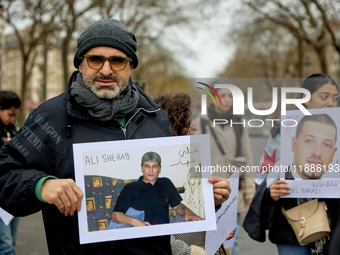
107	32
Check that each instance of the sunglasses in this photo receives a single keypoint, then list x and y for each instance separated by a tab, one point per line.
96	62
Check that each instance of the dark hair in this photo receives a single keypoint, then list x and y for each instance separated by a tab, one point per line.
151	156
9	99
178	108
81	58
317	80
321	118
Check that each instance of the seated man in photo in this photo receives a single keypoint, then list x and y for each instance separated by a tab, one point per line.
152	195
314	146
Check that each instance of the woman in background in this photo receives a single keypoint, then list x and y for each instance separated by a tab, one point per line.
230	146
324	94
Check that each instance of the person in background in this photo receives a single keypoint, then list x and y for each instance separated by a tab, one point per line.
324	94
178	108
230	146
9	109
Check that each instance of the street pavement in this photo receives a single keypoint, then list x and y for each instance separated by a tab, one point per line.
31	238
31	235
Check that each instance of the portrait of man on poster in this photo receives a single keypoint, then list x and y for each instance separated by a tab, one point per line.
314	146
151	195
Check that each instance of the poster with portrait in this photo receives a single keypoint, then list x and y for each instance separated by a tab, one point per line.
107	170
310	153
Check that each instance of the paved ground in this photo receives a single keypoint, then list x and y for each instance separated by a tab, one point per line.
250	247
31	235
247	245
31	240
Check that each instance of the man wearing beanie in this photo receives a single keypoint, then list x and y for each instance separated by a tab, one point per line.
101	104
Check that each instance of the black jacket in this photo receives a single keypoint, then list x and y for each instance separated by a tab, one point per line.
334	246
43	147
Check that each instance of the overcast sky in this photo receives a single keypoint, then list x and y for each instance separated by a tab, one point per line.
210	49
210	55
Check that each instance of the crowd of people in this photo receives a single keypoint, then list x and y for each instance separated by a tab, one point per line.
102	103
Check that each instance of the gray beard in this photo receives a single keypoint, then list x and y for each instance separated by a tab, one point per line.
105	92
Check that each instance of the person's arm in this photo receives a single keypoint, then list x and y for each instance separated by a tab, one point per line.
175	202
17	194
34	154
120	217
178	247
187	213
63	193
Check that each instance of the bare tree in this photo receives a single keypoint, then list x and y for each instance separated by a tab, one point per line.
39	16
263	50
329	11
307	20
265	42
150	20
68	21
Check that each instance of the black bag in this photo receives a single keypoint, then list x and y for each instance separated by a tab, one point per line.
259	215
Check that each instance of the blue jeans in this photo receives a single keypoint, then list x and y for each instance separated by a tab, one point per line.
235	248
292	249
8	236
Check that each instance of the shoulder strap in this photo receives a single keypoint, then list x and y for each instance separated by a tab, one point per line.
204	123
240	127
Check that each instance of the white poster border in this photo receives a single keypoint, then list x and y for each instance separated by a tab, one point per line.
144	145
